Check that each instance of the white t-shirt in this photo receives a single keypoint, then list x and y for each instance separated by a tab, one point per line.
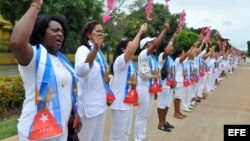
92	99
142	58
119	83
188	68
171	65
179	69
63	77
160	60
210	64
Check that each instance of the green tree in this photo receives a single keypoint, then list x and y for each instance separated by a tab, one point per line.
186	39
136	5
127	25
13	9
248	47
77	12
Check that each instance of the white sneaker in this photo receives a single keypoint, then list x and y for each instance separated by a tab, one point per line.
220	79
186	110
190	106
193	103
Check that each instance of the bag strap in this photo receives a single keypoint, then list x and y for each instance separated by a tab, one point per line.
164	69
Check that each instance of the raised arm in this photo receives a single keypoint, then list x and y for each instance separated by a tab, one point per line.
211	50
132	46
204	51
169	45
97	39
188	53
19	40
158	40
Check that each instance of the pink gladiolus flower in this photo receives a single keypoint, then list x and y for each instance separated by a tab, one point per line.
205	33
110	4
182	20
149	9
167	6
202	32
208	33
217	35
150	1
105	18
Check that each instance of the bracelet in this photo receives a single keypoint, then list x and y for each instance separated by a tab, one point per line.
36	5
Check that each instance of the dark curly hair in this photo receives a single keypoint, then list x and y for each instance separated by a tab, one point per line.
177	53
122	45
42	23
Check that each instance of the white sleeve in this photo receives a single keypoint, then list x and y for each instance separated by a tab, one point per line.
219	58
120	63
202	53
177	60
160	60
143	56
82	69
185	61
31	66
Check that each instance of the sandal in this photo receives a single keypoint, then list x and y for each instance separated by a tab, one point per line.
168	125
164	128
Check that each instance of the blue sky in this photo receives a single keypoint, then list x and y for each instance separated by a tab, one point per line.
230	17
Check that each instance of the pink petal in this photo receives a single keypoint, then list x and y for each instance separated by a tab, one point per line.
110	4
105	18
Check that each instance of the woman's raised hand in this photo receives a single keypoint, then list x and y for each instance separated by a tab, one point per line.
98	40
166	26
39	2
144	28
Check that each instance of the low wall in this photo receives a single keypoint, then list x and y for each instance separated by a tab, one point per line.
9	58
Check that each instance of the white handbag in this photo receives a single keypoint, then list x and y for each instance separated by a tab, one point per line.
144	70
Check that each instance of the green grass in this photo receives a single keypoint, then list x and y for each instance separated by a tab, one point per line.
8	67
8	127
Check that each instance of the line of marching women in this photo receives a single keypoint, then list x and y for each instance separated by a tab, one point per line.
51	83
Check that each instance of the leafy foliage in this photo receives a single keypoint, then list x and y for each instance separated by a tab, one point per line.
13	9
248	46
77	12
122	25
11	92
186	39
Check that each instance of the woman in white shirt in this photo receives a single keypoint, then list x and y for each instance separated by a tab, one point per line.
165	98
150	64
179	56
125	74
49	80
91	69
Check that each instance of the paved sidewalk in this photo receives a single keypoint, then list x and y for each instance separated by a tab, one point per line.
230	104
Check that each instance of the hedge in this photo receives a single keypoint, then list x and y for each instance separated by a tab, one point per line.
11	92
7	59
